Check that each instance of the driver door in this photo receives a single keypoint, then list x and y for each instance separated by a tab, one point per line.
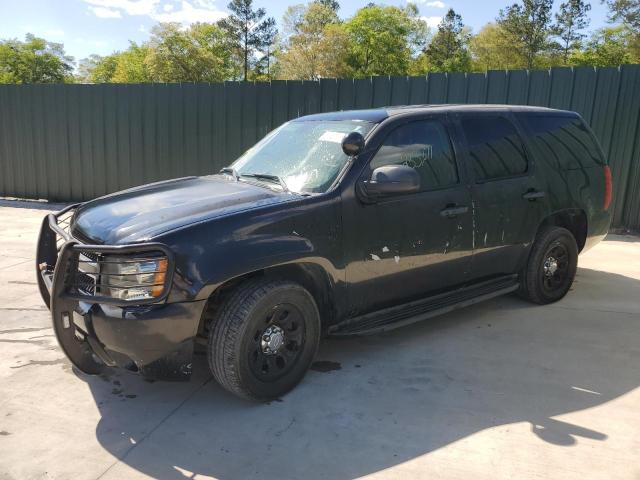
408	246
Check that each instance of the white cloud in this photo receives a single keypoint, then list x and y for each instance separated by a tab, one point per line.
142	29
189	11
431	21
130	7
190	14
103	12
436	4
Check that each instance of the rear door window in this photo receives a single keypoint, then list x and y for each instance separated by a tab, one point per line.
563	140
495	148
425	146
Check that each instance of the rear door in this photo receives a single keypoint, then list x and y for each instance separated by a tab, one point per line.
508	201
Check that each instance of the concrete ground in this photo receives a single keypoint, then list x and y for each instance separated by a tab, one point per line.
499	390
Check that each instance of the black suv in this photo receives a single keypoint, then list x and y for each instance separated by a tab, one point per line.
338	223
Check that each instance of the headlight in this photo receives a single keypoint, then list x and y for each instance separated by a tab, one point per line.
129	278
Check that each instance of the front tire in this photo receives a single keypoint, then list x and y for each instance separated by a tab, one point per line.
264	338
551	268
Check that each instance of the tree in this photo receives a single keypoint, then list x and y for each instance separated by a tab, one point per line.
570	21
292	20
132	65
608	47
316	45
202	53
251	33
626	11
332	4
34	61
128	66
448	51
527	28
491	51
264	63
383	39
96	69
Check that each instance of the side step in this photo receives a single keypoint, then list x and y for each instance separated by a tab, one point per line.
405	314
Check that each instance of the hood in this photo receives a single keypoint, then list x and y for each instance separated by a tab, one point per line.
141	213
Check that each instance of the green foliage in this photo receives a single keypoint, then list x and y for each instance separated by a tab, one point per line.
34	61
626	11
203	53
448	51
119	67
332	4
97	69
490	50
380	39
608	47
571	20
316	45
527	27
131	65
250	31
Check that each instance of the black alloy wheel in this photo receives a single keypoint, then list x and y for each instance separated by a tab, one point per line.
551	266
278	343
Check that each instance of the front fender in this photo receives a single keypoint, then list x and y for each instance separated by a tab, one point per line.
212	253
244	258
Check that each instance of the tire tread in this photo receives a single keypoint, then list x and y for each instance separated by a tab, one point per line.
227	325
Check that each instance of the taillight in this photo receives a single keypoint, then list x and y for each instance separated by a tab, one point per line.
608	188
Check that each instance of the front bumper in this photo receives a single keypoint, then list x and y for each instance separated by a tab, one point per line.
94	331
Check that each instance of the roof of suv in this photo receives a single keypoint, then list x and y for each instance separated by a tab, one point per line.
377	115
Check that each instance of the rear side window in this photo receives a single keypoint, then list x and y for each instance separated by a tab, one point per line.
425	146
495	147
563	141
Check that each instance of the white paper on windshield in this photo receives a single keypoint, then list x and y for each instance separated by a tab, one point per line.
335	137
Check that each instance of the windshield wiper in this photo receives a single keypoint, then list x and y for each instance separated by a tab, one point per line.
231	171
269	177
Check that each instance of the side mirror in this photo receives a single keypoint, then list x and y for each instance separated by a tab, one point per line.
392	179
353	144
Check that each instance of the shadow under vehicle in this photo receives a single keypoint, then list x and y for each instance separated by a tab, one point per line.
396	397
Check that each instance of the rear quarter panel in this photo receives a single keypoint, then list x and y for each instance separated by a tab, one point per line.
570	174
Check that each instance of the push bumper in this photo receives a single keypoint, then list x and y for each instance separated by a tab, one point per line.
155	340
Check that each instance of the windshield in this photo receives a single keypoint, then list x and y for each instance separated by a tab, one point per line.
306	155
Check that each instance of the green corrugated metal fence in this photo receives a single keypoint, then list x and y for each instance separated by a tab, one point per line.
75	142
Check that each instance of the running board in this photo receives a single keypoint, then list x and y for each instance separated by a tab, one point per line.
401	315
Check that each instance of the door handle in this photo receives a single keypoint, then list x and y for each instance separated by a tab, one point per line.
453	211
533	195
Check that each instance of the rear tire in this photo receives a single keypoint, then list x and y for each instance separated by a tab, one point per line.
264	338
551	267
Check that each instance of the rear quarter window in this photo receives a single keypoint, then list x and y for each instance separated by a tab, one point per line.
563	141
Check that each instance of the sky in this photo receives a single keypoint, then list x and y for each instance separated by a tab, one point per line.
104	26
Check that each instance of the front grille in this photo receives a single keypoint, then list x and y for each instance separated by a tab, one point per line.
86	284
88	273
64	222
